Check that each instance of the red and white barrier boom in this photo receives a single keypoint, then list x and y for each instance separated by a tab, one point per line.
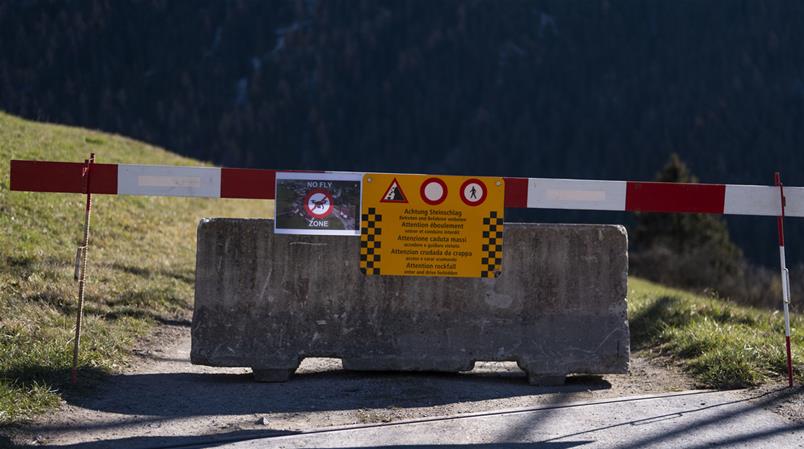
542	193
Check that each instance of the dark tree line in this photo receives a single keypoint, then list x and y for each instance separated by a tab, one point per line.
594	89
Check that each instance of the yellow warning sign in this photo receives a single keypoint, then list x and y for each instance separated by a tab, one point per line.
421	225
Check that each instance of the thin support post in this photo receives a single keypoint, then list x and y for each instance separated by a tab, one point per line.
785	279
82	265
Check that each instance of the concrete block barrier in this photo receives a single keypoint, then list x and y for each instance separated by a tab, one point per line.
267	301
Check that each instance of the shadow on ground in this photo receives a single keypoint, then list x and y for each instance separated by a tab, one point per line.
200	442
525	429
191	394
174	442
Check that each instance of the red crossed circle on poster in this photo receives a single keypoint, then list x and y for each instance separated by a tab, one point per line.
318	203
473	192
433	191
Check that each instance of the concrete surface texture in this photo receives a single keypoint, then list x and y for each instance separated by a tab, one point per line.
695	419
267	301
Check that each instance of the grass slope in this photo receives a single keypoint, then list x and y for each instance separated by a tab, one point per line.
140	268
141	272
721	344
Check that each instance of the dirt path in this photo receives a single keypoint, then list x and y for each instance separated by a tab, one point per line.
167	402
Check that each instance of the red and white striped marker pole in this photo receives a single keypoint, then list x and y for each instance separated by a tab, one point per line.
785	278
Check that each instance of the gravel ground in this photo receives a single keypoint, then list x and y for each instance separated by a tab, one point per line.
164	401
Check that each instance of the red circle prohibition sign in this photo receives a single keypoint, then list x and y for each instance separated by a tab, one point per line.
473	197
318	199
430	189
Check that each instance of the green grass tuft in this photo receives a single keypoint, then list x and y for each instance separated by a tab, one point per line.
721	344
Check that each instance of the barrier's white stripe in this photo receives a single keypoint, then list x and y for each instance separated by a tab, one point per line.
576	194
795	201
169	181
160	180
763	200
752	200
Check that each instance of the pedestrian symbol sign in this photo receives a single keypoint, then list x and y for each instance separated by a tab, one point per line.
473	192
449	226
394	194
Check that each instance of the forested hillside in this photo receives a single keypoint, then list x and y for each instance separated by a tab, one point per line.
581	89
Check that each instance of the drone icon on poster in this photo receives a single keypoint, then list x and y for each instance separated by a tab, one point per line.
318	203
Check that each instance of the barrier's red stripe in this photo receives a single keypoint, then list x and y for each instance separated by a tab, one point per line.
65	177
248	183
104	179
675	197
516	192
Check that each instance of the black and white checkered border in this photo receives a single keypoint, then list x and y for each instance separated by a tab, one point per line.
492	246
370	244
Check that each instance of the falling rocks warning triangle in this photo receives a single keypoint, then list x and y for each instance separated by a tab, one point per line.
394	194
